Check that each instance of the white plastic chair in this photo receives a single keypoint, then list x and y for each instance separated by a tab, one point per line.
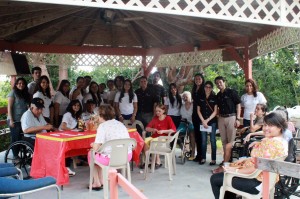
136	123
118	160
162	147
227	186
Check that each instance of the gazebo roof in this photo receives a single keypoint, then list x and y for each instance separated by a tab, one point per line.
61	28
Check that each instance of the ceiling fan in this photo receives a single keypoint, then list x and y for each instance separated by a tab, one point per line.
111	17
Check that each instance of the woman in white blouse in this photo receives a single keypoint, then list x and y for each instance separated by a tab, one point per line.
109	129
173	104
93	94
126	102
71	117
61	101
42	90
250	99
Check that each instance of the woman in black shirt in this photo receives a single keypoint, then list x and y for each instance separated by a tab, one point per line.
207	111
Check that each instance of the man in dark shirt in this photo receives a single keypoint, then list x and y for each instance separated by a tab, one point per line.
229	106
158	89
147	101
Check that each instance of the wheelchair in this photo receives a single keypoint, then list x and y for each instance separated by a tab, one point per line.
184	143
24	158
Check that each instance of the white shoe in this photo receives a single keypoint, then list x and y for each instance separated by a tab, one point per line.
71	173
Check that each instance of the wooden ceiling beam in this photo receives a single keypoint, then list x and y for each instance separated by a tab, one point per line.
100	50
153	33
10	20
183	27
37	29
89	28
6	31
8	11
215	25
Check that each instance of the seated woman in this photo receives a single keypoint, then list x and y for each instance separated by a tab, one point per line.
186	112
109	129
273	144
71	117
256	122
160	125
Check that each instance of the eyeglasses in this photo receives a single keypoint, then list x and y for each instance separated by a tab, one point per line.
208	87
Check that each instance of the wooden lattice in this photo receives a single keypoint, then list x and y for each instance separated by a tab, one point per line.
272	12
279	38
190	59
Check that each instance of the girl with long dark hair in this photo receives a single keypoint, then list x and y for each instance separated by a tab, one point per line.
93	94
173	104
126	102
18	103
42	90
61	101
72	115
197	91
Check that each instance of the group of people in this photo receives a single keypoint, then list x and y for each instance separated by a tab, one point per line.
200	112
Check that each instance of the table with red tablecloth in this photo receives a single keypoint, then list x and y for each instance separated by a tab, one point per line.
52	148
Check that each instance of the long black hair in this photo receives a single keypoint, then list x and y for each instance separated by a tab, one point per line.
171	97
201	90
39	88
70	109
61	85
23	94
96	96
130	91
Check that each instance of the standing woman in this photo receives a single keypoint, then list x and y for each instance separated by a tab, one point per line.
197	91
42	90
173	104
71	117
93	94
207	111
77	91
250	99
61	101
126	102
18	103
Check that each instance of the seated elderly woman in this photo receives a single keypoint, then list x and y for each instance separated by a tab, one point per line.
273	144
109	129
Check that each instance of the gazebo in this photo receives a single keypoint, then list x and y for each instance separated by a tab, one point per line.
147	33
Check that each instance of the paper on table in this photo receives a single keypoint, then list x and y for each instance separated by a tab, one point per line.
68	134
208	129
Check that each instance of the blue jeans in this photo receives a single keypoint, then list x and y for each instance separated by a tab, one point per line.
212	142
15	135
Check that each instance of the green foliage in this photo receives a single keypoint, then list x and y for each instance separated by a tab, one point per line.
53	73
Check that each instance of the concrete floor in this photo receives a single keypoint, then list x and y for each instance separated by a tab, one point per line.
191	181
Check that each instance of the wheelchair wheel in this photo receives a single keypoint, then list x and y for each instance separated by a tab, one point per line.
24	158
286	187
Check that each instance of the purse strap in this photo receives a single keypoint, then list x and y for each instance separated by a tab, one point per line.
209	105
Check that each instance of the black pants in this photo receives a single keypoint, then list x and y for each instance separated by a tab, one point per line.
242	184
198	137
176	120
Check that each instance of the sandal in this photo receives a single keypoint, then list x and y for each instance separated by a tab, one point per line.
202	161
157	166
96	188
213	162
218	170
191	158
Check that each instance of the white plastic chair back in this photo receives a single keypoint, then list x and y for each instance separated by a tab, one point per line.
118	160
128	124
227	183
163	147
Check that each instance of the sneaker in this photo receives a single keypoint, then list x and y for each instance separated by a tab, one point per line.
71	173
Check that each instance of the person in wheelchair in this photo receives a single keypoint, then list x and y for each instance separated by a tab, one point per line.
186	123
33	122
273	144
256	122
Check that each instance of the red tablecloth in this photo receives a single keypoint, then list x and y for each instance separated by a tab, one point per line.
52	148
